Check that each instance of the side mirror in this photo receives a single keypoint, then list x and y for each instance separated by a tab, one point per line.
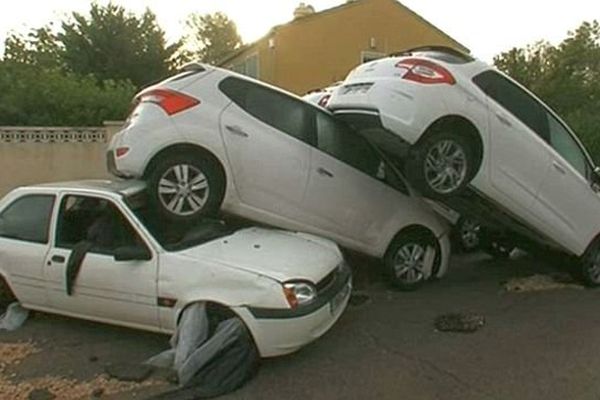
132	253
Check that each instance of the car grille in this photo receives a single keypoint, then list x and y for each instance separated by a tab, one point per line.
340	272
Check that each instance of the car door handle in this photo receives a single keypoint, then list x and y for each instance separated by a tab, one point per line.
324	172
559	167
58	259
236	130
503	120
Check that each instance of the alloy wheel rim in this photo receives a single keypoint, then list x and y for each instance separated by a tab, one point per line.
183	189
445	166
409	263
469	234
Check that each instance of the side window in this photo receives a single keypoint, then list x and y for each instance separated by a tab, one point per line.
515	100
276	109
28	219
341	142
565	145
95	220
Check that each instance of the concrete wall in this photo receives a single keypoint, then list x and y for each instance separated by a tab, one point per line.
39	154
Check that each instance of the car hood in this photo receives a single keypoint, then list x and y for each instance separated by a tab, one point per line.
280	255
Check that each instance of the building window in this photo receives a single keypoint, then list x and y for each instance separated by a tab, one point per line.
248	66
367	56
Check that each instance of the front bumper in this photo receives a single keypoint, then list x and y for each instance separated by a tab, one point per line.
283	331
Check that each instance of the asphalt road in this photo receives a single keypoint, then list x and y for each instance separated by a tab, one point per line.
535	345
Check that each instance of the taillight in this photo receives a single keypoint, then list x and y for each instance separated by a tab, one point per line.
324	100
424	71
169	100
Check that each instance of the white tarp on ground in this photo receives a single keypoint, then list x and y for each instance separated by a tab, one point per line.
207	363
14	317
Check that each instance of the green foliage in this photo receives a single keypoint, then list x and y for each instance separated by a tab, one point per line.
566	76
211	38
33	96
112	43
40	47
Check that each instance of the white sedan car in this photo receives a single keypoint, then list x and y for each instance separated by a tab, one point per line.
209	139
455	121
288	288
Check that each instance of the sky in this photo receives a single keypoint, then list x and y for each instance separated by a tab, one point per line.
485	27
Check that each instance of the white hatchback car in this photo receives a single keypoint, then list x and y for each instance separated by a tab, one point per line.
288	288
456	121
209	139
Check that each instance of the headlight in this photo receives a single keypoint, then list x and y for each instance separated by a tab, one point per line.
299	293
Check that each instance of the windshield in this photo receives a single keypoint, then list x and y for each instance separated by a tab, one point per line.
173	237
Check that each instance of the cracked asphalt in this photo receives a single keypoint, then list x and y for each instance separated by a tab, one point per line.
535	345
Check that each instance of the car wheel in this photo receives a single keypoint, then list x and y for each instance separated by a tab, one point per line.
405	260
590	266
186	187
442	165
467	234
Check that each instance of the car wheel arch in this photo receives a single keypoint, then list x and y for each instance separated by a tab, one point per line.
219	308
180	148
6	290
413	230
467	129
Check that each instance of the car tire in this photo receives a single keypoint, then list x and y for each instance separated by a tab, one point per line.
404	260
186	187
466	235
590	266
442	165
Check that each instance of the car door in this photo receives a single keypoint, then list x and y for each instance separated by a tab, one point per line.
345	199
24	236
518	129
566	201
267	141
104	289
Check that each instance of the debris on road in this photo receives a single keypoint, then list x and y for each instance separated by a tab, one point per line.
11	354
536	283
459	322
14	317
40	394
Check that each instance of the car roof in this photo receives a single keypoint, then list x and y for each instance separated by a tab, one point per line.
121	187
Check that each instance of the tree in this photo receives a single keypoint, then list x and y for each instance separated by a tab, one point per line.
40	47
212	37
566	76
112	43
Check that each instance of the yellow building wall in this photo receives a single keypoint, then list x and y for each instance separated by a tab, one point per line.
315	51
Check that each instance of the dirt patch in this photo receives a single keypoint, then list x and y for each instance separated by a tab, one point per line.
537	283
12	354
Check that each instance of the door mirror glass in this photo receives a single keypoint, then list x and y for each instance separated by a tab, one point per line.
132	253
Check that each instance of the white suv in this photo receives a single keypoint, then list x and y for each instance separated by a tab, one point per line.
456	121
209	139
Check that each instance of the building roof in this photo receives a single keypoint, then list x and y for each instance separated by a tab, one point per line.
340	7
